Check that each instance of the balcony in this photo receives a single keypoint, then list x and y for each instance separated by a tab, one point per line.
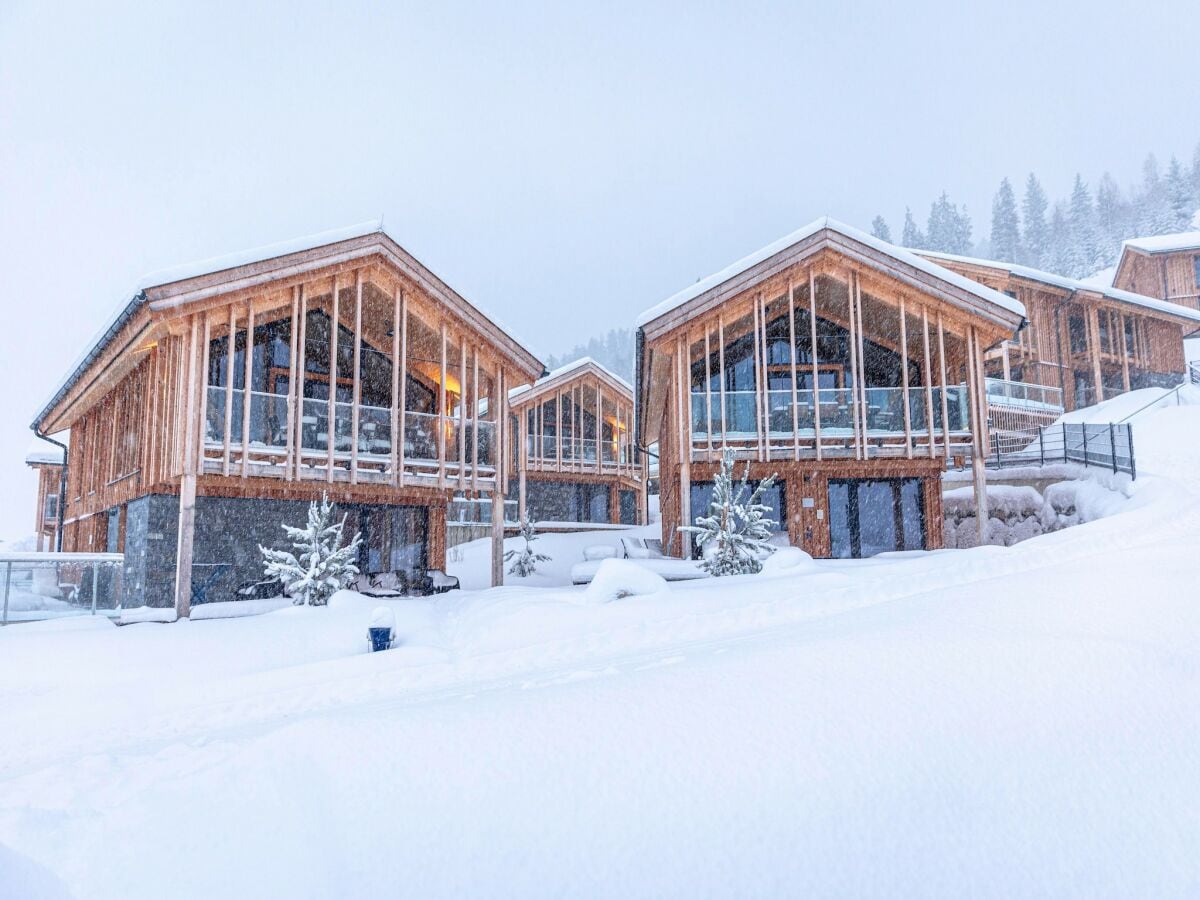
576	453
471	443
1021	395
789	424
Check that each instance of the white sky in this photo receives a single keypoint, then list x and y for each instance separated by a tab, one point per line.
562	170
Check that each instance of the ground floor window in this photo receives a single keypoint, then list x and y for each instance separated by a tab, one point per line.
395	538
567	501
870	516
773	498
628	504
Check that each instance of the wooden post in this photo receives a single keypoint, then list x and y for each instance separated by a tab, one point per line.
858	454
1094	322
462	414
908	450
298	380
397	437
247	378
334	320
766	377
685	457
402	436
443	419
475	427
942	385
792	359
187	486
707	393
1124	356
498	486
356	390
599	429
862	364
558	429
202	425
229	370
928	381
293	414
721	366
816	379
979	426
759	376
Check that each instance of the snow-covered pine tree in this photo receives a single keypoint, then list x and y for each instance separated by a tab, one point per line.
949	229
1196	177
1006	227
1153	216
912	236
322	566
1058	245
1081	224
879	228
1179	206
525	560
1112	220
736	527
1037	233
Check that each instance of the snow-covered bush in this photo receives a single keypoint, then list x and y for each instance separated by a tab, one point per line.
735	536
525	560
616	579
787	560
322	566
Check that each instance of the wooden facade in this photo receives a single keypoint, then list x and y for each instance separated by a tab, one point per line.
339	366
1089	342
45	523
836	362
575	427
1167	268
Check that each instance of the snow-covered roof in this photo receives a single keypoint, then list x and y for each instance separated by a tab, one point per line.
1093	283
1166	243
44	453
826	223
567	370
125	310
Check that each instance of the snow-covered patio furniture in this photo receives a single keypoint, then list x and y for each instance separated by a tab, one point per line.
382	584
669	569
641	548
259	590
601	551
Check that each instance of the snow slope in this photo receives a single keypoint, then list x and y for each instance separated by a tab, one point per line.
995	722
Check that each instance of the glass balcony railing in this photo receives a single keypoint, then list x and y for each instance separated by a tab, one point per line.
1023	395
269	428
884	411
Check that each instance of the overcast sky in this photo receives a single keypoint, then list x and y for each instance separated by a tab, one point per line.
562	170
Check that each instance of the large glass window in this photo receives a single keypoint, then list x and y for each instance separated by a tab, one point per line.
772	497
871	516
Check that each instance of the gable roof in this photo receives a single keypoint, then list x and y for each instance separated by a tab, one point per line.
1165	243
840	236
1094	284
565	373
175	286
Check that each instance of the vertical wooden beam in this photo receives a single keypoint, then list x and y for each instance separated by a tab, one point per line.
1094	325
334	320
862	364
356	390
1124	357
858	449
299	368
193	385
908	450
721	366
759	378
247	379
475	426
816	379
523	436
400	438
792	359
707	392
498	482
685	458
978	431
942	384
462	413
443	418
558	429
229	370
397	437
198	452
766	394
928	379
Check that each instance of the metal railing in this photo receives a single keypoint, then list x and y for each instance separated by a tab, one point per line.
1104	446
54	585
1024	395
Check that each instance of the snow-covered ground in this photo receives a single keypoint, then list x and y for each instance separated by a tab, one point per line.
1014	721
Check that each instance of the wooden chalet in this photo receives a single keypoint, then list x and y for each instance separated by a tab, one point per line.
227	395
1084	341
46	460
849	368
576	459
1166	267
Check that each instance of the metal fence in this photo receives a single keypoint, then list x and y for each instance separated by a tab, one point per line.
1105	446
55	585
